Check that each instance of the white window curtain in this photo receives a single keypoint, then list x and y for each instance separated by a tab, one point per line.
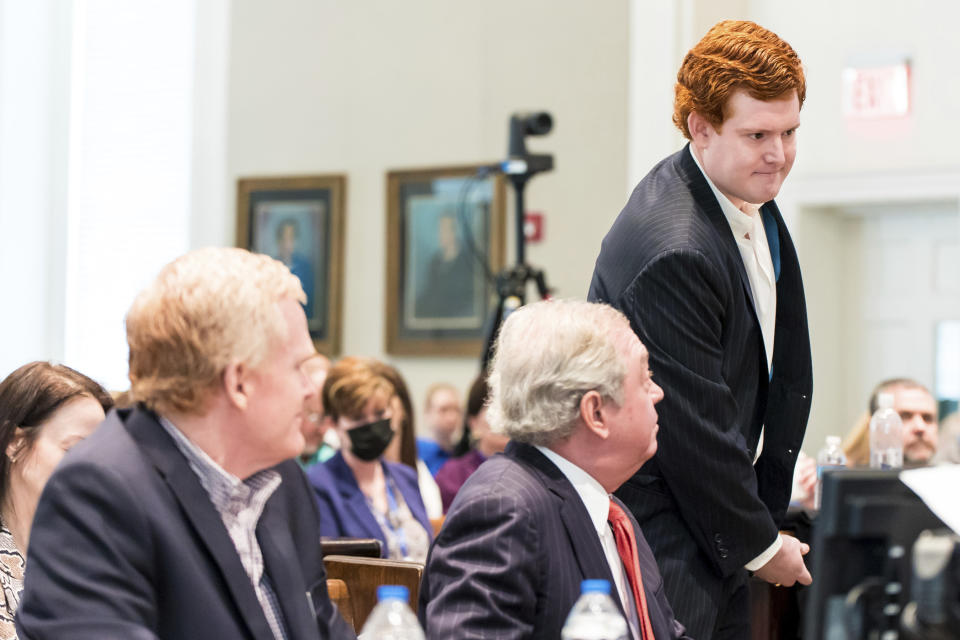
129	176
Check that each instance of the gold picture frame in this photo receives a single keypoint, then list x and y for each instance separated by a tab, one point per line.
445	242
300	221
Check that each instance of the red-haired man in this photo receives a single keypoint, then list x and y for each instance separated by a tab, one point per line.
701	262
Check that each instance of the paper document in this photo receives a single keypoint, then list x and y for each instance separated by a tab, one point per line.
937	487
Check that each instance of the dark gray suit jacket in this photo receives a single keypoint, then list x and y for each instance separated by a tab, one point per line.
512	552
126	544
671	264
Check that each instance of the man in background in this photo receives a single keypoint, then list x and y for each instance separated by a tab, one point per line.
186	517
571	387
315	428
918	411
443	415
702	263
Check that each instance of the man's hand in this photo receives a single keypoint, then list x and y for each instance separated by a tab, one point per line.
786	567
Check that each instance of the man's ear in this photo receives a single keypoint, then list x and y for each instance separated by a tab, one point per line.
700	130
237	384
593	414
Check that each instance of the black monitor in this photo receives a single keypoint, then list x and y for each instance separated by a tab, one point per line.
860	549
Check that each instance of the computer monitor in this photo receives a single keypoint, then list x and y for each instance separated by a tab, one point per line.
860	551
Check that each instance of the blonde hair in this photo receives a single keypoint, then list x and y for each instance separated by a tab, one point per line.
204	310
857	445
436	388
548	355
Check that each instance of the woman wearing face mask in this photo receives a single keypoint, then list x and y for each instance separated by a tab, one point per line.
365	496
44	410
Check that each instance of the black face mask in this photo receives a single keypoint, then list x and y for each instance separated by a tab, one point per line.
370	440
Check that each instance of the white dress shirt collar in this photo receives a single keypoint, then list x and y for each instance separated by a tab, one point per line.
594	496
597	501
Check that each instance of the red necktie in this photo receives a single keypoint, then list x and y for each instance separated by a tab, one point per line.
627	548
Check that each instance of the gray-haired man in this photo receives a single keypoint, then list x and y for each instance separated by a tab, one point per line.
571	388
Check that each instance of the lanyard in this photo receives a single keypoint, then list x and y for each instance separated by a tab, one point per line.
397	534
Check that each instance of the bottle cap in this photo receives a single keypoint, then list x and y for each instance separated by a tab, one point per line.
885	400
595	586
833	441
392	592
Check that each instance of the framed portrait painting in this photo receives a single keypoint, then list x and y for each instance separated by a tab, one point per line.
300	221
445	237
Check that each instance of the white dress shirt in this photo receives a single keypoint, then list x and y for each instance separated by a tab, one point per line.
751	237
597	502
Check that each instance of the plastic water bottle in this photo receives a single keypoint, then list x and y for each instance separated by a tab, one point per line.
594	615
886	435
830	457
392	618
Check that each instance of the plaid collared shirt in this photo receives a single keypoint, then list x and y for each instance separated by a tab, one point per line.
240	504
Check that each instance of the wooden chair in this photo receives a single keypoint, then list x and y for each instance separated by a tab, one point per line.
366	547
774	611
340	597
362	576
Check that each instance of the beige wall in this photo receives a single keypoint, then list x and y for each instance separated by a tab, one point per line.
828	35
364	87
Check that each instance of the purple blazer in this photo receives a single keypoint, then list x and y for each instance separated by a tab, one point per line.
343	507
455	472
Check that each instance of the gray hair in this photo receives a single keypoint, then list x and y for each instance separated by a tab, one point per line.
548	355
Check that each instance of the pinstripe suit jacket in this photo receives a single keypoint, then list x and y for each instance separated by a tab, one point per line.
513	550
671	264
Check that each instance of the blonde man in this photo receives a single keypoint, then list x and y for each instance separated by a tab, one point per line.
186	517
316	449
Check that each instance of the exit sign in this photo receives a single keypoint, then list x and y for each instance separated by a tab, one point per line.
880	91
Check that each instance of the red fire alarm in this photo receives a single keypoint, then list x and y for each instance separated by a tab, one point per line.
533	226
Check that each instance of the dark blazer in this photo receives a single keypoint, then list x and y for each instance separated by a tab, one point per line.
127	544
343	507
513	550
671	264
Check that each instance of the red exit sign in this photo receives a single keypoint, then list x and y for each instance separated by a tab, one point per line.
872	92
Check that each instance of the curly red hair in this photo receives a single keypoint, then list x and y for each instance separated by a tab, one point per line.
735	54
